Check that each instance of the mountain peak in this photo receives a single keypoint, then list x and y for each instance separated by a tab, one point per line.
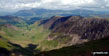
56	16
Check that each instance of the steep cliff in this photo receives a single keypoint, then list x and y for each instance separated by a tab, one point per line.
77	29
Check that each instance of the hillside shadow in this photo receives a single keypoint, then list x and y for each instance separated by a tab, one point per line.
85	49
4	52
30	50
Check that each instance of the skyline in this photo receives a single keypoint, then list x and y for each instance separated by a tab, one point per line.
14	5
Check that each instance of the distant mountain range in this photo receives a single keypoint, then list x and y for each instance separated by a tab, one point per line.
10	19
47	13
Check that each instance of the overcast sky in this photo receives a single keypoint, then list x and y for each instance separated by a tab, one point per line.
54	4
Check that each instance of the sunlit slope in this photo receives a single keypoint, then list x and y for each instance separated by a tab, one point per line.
24	35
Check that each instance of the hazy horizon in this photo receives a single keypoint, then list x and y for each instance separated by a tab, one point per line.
15	5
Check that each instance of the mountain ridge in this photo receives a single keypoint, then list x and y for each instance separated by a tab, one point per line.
77	29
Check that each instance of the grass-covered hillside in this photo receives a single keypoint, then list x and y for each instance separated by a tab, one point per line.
28	38
5	44
84	49
8	48
24	35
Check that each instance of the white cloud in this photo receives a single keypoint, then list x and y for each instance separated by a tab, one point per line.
28	5
54	4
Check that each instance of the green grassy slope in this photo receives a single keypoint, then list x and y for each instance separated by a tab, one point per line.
60	42
24	34
10	49
79	50
5	44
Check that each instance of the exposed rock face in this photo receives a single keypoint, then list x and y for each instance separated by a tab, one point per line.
50	22
85	28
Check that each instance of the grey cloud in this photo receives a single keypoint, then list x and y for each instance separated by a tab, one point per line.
54	4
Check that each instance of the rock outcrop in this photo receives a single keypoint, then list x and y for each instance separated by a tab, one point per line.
85	28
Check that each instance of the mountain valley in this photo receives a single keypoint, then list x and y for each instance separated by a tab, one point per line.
35	35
